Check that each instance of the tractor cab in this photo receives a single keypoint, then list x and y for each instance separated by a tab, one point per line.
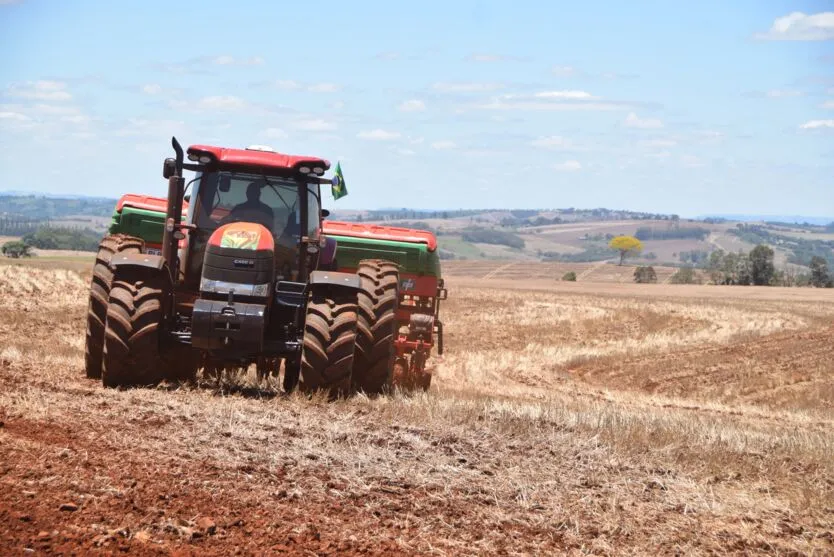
279	193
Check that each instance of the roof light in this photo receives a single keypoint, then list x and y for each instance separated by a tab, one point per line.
265	148
304	169
205	159
318	170
193	157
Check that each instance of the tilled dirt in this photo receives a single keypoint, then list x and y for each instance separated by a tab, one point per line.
717	447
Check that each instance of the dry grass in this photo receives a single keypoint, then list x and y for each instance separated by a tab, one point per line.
560	421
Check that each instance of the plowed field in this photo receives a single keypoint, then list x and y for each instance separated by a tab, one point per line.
565	418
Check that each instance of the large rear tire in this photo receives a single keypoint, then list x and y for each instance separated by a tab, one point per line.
328	344
99	296
132	329
376	326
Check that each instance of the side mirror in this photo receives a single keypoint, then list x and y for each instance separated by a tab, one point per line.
225	183
325	213
187	198
169	168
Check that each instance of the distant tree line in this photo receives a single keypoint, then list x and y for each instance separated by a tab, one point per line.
43	208
18	225
490	236
53	237
527	217
645	233
801	250
697	258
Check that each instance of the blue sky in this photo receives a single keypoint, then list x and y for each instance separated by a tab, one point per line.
691	108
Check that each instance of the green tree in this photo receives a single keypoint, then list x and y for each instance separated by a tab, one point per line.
569	276
684	275
761	265
645	275
16	249
819	273
626	245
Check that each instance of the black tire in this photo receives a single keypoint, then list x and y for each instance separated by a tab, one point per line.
132	329
376	328
328	344
99	296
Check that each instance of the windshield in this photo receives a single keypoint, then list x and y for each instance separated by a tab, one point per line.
230	196
226	197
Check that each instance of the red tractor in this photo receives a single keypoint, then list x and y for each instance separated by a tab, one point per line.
419	327
232	274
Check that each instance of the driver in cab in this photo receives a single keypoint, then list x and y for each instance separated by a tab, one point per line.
253	209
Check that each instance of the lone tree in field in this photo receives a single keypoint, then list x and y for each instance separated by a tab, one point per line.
626	245
761	265
16	249
819	273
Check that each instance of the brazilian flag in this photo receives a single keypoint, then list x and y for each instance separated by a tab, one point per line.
338	187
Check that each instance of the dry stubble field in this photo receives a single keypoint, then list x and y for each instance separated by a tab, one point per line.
565	418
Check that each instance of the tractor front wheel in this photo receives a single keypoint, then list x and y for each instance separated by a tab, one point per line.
132	329
328	344
100	286
377	326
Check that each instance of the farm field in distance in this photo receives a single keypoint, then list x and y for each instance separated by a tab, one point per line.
593	417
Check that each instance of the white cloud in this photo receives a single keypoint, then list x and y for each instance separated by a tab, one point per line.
151	89
467	87
565	71
566	95
633	121
798	26
292	85
568	166
817	124
406	152
274	133
315	125
828	105
286	84
221	102
499	104
141	127
338	105
443	145
658	143
552	142
779	93
323	88
691	161
13	116
412	105
54	110
41	90
378	135
232	61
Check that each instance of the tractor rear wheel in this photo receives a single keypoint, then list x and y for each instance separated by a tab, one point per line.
132	329
99	296
328	344
376	328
